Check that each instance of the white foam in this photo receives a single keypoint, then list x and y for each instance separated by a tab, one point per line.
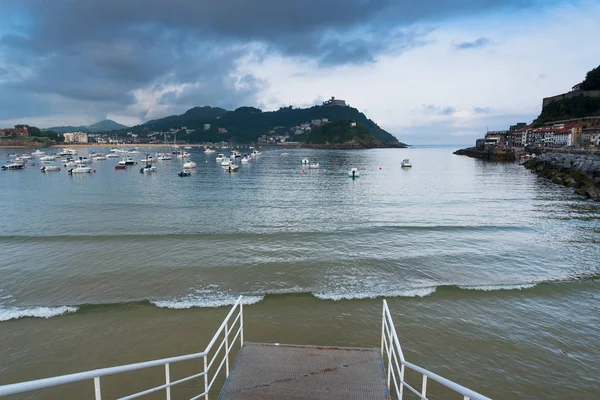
489	288
191	301
8	313
350	295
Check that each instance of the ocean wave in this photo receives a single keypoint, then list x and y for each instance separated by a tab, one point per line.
494	287
8	313
352	295
194	301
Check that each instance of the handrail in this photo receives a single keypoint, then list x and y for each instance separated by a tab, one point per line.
96	374
390	347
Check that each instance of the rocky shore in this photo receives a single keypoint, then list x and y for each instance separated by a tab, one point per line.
581	172
492	155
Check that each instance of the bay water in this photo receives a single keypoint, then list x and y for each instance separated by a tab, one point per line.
490	272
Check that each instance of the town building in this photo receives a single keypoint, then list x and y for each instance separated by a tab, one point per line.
76	137
591	136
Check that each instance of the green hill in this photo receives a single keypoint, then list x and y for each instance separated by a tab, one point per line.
575	107
102	126
343	133
246	124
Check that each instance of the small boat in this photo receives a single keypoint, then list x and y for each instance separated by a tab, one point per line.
120	166
25	157
47	158
353	173
185	172
67	152
188	147
115	150
225	163
406	163
127	161
147	169
19	160
209	151
148	159
189	165
220	157
70	164
133	151
80	169
245	159
112	155
83	160
284	154
235	154
314	164
305	161
183	154
48	168
232	168
12	167
255	152
38	153
163	156
100	157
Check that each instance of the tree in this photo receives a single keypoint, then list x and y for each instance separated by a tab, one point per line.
592	80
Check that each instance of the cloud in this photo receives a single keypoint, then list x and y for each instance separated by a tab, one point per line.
481	42
482	110
436	110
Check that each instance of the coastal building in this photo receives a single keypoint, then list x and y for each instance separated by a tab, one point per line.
19	130
560	138
335	102
352	123
498	139
76	137
591	136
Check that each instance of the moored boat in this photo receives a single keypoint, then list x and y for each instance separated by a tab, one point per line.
314	164
127	161
12	167
353	173
232	168
147	169
189	164
48	168
209	151
305	161
80	169
406	163
185	172
118	166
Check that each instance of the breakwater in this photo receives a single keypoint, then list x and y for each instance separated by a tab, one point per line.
491	154
581	172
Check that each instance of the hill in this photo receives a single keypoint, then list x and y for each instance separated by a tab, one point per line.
102	126
246	124
344	134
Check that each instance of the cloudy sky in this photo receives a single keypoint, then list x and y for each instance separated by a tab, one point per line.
428	71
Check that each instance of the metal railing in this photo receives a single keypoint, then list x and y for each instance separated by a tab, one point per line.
396	365
226	344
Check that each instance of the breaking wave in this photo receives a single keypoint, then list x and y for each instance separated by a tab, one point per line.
10	312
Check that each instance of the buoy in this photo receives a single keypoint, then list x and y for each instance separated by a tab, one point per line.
94	171
334	164
302	171
268	165
380	168
136	163
38	164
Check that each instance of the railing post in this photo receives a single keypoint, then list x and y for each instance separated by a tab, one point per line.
424	386
382	328
205	378
97	392
390	352
227	349
168	380
241	325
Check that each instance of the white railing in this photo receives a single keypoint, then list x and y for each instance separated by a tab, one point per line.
395	365
226	344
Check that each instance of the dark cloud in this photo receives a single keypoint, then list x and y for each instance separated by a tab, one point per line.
97	53
432	109
481	42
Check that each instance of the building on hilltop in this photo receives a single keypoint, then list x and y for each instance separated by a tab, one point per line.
76	137
576	87
335	102
19	130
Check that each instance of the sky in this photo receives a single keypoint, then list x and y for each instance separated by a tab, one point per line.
428	71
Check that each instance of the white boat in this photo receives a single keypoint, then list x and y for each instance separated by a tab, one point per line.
127	161
235	154
183	154
314	164
353	173
147	169
83	160
67	152
163	156
225	162
112	155
48	168
245	159
47	158
406	163
133	151
232	168
12	167
305	161
19	160
115	150
209	151
100	157
255	152
25	157
188	147
220	157
38	153
80	169
148	159
189	165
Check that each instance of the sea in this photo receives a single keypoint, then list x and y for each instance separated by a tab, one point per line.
492	274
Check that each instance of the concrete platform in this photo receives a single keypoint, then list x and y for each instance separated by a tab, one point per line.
270	371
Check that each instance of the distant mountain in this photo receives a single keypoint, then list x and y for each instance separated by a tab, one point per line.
102	126
345	134
246	124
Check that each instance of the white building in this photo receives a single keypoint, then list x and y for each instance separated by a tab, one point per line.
76	137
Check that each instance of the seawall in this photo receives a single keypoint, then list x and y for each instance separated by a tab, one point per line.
581	172
492	155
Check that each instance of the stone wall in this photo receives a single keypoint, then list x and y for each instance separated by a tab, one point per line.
587	93
581	172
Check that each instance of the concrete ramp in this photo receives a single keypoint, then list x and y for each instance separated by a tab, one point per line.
271	371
